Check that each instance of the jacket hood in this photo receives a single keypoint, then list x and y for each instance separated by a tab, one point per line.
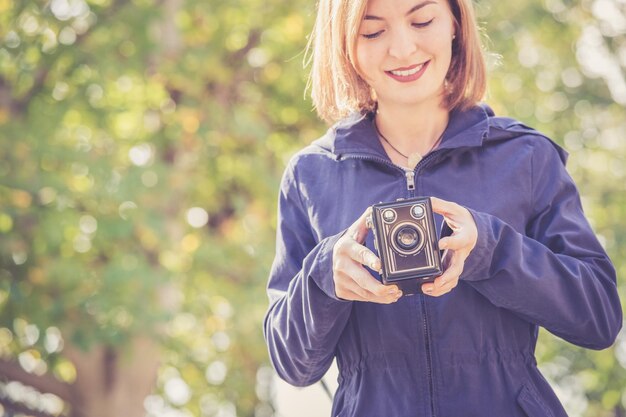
470	128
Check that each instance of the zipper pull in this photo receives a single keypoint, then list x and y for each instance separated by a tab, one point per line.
410	180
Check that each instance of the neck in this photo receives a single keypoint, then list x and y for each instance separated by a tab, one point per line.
412	129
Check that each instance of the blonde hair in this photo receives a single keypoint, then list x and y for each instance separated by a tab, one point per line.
338	90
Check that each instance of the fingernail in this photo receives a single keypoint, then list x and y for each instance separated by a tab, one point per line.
428	290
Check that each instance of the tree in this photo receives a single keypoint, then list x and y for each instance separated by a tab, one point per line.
135	199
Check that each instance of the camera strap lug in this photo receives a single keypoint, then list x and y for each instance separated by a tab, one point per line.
410	180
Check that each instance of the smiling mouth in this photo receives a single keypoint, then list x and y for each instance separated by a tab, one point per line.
408	73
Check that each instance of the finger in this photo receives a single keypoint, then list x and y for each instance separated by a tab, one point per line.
457	241
443	207
365	280
347	294
447	281
444	243
452	212
358	230
379	300
439	292
438	288
350	290
453	271
363	255
347	289
454	225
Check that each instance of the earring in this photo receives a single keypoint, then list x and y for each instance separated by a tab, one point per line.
373	95
453	37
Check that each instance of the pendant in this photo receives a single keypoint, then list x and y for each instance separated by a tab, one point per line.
414	159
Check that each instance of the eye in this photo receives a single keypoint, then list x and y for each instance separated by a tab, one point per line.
422	25
372	35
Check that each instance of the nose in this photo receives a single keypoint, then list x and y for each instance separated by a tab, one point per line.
402	45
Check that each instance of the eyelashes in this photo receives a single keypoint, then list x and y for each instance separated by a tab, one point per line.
373	35
418	25
422	25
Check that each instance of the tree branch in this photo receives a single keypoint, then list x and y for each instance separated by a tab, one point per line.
45	383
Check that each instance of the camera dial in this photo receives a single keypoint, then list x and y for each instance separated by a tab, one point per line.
417	211
389	216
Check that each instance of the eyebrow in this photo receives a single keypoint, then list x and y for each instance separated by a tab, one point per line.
412	10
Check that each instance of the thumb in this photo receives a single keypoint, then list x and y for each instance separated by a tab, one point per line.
443	207
450	211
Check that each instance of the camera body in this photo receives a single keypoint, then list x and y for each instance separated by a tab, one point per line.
406	241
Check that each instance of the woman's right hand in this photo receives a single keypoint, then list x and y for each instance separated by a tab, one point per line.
352	281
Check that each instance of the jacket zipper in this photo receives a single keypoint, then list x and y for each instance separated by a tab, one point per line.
410	181
409	174
429	364
427	342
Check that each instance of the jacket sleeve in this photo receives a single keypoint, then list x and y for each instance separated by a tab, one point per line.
305	318
556	274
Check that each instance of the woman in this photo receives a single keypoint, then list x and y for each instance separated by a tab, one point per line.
401	79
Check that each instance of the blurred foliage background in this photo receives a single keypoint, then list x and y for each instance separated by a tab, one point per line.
141	146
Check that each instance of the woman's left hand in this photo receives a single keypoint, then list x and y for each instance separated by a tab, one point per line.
457	247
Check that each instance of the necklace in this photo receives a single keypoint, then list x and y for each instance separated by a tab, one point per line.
415	157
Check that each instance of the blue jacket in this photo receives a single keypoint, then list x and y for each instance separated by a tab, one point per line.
470	352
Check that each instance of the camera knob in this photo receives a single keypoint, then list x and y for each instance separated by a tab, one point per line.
417	211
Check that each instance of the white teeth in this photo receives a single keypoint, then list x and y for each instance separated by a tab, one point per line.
407	72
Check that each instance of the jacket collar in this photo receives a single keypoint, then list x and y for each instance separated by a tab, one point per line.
357	135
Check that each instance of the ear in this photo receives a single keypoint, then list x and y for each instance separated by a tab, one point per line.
455	28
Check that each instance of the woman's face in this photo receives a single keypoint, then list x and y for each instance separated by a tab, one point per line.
404	48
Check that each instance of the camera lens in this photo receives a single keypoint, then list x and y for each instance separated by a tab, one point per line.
408	238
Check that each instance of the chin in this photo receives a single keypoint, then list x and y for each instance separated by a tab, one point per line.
415	100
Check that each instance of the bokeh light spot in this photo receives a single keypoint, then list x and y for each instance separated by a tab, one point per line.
197	217
216	372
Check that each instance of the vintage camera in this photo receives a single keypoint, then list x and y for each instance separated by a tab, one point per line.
406	241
